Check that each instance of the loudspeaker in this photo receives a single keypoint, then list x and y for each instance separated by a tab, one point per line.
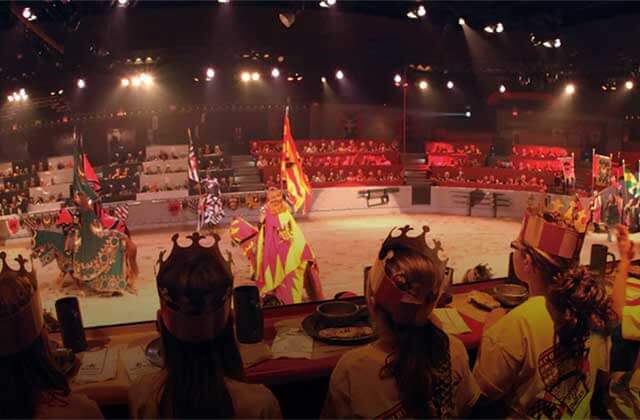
68	312
421	194
248	314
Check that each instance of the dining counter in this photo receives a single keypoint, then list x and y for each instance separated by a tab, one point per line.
259	366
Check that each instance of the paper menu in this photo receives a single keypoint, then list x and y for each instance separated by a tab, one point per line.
451	321
136	363
98	365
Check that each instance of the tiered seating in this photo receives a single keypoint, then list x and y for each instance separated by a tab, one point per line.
455	153
545	158
330	163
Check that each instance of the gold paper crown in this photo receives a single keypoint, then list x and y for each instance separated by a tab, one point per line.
21	324
415	243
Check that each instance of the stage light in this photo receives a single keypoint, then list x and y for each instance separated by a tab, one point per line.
450	84
331	2
461	22
557	43
547	44
628	84
28	14
223	1
604	87
275	73
124	82
467	114
10	98
60	92
245	76
324	4
123	3
412	15
22	92
489	29
499	28
422	11
255	76
502	88
81	84
397	79
339	75
135	81
210	73
323	79
423	84
570	89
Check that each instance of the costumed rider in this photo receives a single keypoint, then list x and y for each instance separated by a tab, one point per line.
99	259
282	261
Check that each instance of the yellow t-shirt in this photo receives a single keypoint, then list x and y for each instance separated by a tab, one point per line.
356	389
631	323
517	363
249	400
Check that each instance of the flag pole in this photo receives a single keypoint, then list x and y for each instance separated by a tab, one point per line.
286	118
593	163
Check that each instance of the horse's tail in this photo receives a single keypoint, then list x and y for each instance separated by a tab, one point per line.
131	254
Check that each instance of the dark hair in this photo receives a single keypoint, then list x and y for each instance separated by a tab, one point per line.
26	376
420	362
194	385
580	300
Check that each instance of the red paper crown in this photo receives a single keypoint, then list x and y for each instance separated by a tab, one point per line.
21	328
393	296
184	320
545	233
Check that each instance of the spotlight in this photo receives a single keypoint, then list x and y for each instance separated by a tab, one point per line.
135	81
557	43
275	73
81	83
450	84
628	84
22	92
467	114
570	89
223	1
331	2
397	79
245	76
339	75
423	85
502	88
147	79
604	87
499	28
324	4
422	11
461	22
123	3
211	73
10	98
124	82
412	15
255	76
547	44
52	93
28	14
60	92
489	29
323	79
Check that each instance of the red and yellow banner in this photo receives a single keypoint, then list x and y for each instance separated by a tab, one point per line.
291	172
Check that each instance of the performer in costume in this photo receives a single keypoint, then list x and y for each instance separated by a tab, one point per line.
596	210
99	259
284	265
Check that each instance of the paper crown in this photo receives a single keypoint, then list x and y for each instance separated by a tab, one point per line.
182	318
556	234
392	295
19	328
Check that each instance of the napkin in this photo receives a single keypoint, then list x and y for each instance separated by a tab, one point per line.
98	365
451	321
136	363
292	343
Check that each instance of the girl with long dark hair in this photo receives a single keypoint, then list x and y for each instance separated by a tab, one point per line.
202	375
414	369
542	358
32	386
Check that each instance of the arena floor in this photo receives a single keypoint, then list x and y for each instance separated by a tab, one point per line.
343	246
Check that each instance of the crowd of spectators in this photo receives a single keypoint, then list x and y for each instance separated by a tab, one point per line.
327	146
523	181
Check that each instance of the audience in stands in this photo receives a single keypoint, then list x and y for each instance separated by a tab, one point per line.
491	180
203	372
536	153
323	146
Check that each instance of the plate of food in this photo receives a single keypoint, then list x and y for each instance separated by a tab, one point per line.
359	332
483	300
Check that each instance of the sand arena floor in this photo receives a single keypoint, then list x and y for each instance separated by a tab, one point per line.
343	246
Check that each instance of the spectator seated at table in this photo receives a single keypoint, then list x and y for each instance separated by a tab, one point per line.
543	357
32	385
203	373
414	369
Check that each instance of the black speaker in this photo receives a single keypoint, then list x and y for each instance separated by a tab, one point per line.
421	194
248	314
68	312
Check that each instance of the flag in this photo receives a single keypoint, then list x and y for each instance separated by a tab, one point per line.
631	183
291	172
193	161
80	183
601	170
121	211
568	167
90	174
